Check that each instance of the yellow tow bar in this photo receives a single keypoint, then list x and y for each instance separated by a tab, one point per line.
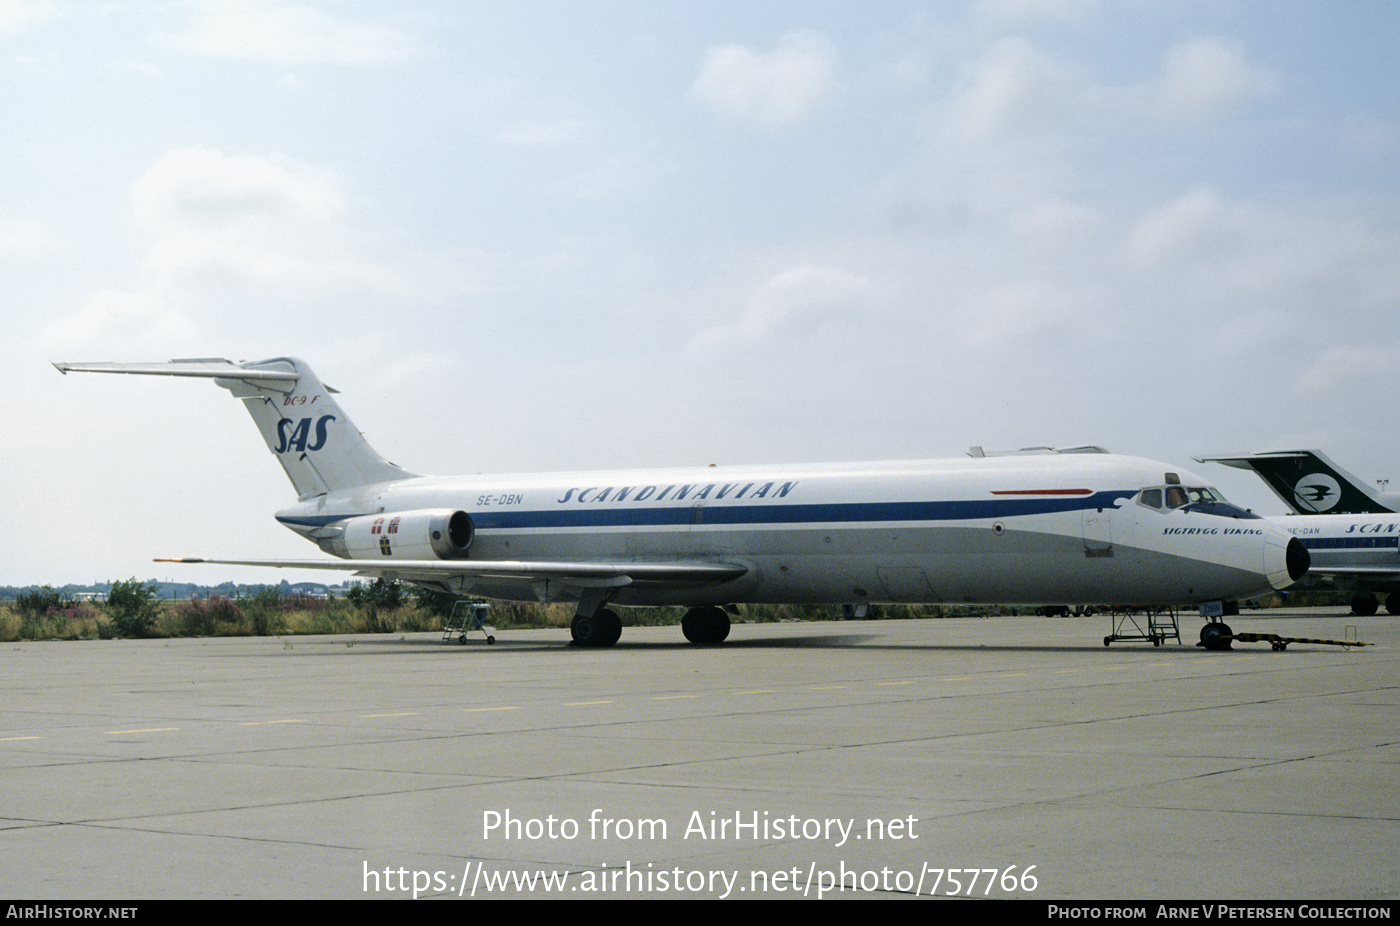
1281	643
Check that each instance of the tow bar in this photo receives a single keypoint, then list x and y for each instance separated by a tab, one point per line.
1219	636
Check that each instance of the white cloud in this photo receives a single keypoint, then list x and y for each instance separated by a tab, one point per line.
767	90
112	321
1010	86
221	228
792	304
1016	313
1193	226
1205	78
201	188
250	218
20	16
288	34
1356	369
1204	242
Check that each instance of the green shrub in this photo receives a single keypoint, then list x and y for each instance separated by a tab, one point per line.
38	603
132	608
205	617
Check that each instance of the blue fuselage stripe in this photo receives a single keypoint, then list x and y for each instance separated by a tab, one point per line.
1349	543
581	515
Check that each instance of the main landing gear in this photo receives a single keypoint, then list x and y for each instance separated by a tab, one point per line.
1364	604
602	627
705	625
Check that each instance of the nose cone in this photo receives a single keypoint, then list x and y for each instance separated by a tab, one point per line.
1286	560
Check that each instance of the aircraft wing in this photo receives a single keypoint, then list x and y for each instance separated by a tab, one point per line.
590	575
1375	573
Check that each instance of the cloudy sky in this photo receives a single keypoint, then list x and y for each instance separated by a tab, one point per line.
563	235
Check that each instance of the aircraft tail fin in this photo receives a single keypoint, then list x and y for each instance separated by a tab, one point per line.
319	447
1309	483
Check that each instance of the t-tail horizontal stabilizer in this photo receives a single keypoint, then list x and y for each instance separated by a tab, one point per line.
1309	483
319	447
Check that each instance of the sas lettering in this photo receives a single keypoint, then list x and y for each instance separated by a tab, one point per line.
300	433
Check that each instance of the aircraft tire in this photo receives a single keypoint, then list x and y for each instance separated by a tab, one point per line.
1392	603
1365	605
602	628
1216	636
705	625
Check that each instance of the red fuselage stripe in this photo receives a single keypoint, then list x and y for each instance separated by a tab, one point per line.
1042	491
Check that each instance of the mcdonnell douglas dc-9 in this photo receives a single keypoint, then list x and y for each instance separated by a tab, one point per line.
1020	529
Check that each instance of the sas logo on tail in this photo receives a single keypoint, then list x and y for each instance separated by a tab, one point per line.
300	433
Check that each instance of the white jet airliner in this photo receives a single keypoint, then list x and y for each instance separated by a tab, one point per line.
1032	529
1351	530
1356	553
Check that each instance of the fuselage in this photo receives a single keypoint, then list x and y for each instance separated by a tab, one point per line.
1034	529
1353	551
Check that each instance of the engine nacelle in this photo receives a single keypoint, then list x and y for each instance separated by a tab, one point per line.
434	534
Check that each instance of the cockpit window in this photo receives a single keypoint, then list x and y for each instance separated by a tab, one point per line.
1191	498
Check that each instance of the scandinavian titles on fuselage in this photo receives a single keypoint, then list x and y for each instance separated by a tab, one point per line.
675	492
1375	527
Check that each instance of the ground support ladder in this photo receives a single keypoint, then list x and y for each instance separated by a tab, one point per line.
467	616
1161	625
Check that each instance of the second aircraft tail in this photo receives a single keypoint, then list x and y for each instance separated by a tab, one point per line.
1310	483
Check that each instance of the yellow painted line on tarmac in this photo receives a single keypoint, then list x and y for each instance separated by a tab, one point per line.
759	691
481	710
11	739
909	682
402	714
673	697
264	723
585	703
826	687
146	730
